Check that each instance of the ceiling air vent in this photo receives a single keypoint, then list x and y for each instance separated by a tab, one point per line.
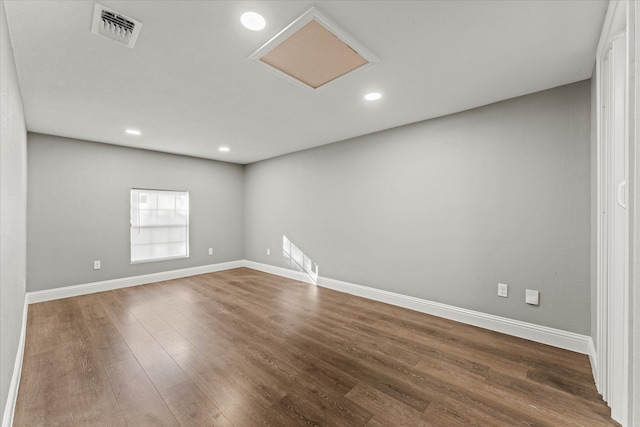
114	26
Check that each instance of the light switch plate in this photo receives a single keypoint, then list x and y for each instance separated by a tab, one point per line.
532	297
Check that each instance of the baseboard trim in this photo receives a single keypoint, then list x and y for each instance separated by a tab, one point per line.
279	271
542	334
125	282
12	397
593	359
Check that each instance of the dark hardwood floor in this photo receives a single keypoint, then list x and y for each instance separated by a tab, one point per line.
244	348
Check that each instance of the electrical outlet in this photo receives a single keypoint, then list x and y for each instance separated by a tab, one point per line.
210	251
532	297
96	265
503	290
268	251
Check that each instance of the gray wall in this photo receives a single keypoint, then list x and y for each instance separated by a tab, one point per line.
445	209
78	209
13	210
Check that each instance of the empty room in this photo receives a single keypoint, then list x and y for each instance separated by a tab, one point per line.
319	213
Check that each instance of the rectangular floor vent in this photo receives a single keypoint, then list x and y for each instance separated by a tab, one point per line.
114	26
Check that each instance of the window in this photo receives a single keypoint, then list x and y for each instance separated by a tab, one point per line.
159	225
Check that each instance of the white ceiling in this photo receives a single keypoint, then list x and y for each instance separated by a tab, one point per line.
189	88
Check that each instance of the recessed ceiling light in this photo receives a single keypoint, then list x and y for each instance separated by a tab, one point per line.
133	132
372	96
224	149
253	21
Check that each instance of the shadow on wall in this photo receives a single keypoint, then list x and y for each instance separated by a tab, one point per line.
297	260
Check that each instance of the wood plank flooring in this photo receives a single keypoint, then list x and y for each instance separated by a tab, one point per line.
243	348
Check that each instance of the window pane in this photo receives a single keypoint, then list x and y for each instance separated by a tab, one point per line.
166	201
159	224
139	253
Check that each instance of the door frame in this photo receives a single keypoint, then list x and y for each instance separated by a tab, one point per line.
615	363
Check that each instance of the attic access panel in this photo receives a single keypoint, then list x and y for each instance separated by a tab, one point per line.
313	51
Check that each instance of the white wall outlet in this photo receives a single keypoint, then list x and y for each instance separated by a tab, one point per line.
96	265
532	297
210	251
268	251
503	290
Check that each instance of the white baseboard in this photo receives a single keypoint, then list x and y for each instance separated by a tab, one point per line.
12	397
107	285
542	334
279	271
593	359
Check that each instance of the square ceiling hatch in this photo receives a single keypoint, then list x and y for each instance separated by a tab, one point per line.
313	51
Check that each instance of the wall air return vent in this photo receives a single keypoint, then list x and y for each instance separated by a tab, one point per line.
313	51
114	26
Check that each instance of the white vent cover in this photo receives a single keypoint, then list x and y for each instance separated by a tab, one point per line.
114	26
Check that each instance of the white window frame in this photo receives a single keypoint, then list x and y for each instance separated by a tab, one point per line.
158	227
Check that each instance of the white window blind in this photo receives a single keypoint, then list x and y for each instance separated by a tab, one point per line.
159	225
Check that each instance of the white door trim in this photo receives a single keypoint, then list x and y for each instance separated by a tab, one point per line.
614	117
